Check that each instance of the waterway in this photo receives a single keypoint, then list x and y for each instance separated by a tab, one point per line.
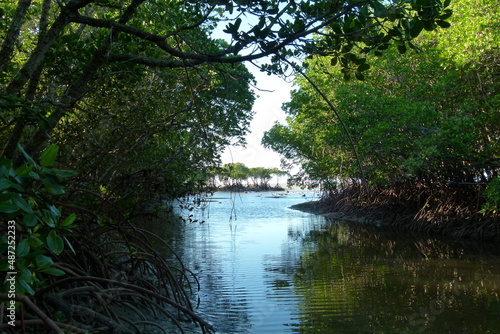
265	268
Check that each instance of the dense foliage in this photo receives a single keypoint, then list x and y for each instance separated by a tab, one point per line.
137	92
428	120
139	99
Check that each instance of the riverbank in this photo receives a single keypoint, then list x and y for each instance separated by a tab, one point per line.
242	188
324	209
432	214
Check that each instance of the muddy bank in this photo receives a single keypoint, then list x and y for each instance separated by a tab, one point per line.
468	226
324	209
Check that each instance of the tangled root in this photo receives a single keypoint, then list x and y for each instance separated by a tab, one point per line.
115	282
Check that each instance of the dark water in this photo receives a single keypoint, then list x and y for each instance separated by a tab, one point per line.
264	268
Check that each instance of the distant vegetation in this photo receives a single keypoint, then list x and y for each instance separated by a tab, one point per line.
239	176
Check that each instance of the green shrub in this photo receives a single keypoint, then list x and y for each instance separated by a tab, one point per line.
35	227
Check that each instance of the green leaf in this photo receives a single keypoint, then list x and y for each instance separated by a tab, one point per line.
447	14
49	155
429	25
363	67
69	220
30	219
64	173
5	184
49	218
395	32
55	211
28	158
22	204
34	175
359	76
443	24
53	188
229	7
23	247
55	242
53	271
24	169
5	167
416	28
379	10
7	207
25	287
43	262
35	242
5	197
69	245
282	33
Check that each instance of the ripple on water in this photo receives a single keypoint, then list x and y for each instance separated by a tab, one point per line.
271	270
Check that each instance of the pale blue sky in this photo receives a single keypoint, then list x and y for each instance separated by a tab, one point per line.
274	92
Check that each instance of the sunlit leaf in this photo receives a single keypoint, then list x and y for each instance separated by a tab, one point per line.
69	220
49	155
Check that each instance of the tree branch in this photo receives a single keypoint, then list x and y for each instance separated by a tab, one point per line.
13	32
44	44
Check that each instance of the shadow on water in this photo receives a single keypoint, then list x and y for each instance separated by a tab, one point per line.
275	270
361	279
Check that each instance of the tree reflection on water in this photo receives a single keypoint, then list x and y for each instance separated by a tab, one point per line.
362	279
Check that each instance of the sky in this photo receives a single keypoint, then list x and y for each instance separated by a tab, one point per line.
271	94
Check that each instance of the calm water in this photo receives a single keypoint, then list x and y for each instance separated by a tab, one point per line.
264	268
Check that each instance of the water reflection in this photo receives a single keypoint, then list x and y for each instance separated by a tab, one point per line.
263	268
365	280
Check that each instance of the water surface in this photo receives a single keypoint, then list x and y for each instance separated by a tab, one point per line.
264	268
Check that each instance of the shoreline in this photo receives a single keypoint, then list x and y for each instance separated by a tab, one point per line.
241	188
480	231
323	209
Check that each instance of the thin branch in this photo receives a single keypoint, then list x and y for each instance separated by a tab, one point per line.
13	32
